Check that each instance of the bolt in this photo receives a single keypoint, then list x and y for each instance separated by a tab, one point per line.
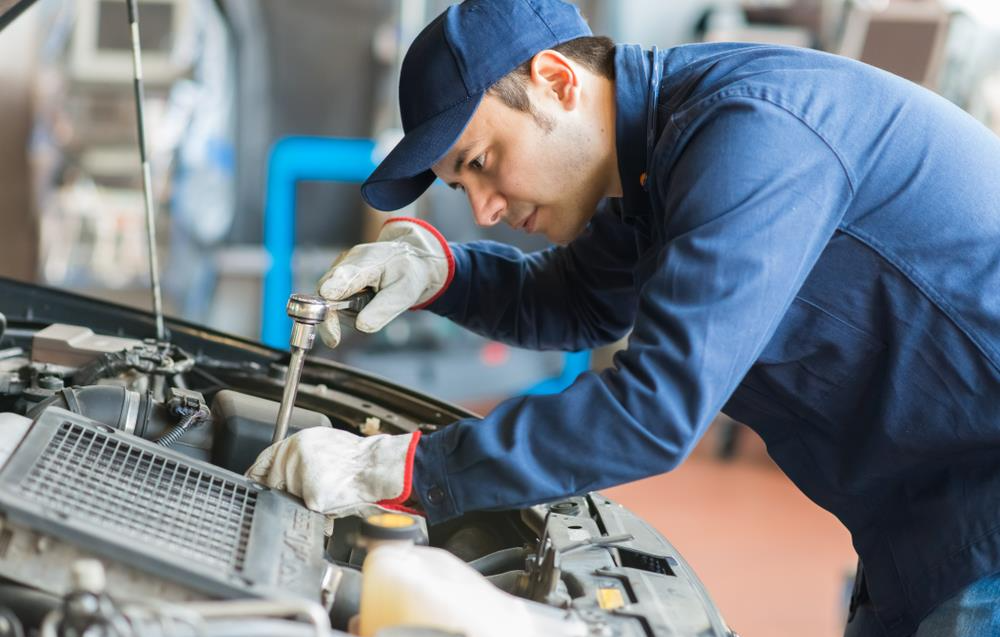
565	508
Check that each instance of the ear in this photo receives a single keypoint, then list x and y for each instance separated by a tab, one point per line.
556	76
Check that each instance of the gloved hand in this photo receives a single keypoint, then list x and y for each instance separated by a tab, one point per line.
339	473
408	266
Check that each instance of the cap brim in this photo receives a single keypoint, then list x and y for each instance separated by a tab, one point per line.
405	172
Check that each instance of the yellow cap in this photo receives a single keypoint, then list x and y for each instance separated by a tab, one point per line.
390	520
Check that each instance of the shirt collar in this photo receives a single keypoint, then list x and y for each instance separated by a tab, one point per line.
633	103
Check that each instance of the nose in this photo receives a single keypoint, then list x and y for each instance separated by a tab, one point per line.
487	205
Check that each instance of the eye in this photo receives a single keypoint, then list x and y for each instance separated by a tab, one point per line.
478	162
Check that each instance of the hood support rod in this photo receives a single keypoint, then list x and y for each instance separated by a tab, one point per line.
147	185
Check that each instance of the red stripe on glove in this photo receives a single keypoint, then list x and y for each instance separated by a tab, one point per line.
396	503
447	251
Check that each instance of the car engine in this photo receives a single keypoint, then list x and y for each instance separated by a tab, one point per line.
122	461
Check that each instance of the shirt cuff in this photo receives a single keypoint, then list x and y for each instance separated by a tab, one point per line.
430	475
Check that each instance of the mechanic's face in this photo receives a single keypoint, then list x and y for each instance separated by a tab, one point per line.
539	174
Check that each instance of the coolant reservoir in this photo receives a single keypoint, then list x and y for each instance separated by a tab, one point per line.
407	585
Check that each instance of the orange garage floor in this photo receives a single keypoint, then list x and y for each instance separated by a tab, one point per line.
775	563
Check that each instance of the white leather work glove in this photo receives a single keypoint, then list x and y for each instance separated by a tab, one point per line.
338	473
408	266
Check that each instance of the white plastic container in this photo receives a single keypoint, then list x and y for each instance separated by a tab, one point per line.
407	585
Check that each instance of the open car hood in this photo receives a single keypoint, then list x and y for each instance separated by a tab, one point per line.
10	9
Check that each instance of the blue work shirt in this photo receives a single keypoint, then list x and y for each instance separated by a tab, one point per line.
805	243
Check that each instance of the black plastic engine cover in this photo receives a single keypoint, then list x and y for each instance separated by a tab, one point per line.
244	425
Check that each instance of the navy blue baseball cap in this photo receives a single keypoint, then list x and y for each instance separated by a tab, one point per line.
445	74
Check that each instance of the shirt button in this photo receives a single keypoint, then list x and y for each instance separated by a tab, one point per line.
435	495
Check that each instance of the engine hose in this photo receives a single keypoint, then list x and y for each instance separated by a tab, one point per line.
28	604
513	582
177	431
501	561
105	366
112	405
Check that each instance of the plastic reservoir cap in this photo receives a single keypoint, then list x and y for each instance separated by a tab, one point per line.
392	526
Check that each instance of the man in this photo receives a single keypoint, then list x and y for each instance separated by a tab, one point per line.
806	243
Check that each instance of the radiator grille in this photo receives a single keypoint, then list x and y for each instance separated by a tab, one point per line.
136	493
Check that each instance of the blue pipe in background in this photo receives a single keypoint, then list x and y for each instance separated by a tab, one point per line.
294	159
574	364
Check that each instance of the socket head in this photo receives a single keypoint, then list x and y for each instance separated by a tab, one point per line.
306	308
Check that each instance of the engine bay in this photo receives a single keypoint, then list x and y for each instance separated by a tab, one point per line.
130	452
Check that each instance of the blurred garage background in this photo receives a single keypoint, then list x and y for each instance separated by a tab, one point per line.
246	97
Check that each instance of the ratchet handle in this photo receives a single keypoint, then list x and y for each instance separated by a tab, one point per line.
355	303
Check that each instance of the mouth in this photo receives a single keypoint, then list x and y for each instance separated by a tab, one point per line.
528	225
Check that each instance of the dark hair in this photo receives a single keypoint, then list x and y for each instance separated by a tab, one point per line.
594	52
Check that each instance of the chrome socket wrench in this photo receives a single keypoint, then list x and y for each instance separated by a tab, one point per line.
307	311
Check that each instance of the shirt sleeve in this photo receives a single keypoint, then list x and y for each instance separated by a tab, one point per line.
563	298
751	196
